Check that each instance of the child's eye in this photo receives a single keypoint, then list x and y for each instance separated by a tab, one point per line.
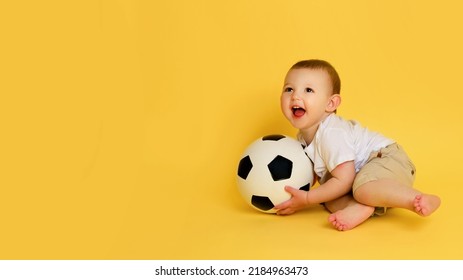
309	90
288	89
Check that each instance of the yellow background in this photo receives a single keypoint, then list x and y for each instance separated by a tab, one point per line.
122	124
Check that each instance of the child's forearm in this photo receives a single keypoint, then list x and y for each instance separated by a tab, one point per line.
330	190
338	185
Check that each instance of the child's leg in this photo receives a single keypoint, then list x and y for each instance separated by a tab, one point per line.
347	213
392	193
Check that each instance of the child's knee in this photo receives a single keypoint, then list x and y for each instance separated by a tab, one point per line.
362	194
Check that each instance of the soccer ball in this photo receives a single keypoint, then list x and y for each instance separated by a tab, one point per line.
268	165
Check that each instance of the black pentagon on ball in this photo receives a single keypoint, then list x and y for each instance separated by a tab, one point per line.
273	137
280	168
305	188
244	167
262	202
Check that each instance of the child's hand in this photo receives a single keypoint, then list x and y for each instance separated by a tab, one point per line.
297	202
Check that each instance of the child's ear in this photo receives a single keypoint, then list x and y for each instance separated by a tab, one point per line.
333	104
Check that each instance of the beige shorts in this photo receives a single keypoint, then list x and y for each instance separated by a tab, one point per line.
390	162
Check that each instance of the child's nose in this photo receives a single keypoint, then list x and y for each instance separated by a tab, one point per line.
296	95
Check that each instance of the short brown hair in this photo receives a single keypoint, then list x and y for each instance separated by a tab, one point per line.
323	65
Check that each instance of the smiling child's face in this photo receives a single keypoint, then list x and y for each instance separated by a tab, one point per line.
306	97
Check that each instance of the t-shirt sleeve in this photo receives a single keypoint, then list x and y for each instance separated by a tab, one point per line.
337	147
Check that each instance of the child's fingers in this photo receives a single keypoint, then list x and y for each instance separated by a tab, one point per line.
285	212
292	191
285	208
288	202
283	205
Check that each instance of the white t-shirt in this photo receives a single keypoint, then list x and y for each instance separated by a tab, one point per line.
338	140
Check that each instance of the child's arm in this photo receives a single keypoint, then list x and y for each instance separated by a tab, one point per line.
340	184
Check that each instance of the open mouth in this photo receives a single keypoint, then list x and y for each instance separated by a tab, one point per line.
298	111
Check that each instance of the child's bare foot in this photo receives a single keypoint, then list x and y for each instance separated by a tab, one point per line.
351	216
426	204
